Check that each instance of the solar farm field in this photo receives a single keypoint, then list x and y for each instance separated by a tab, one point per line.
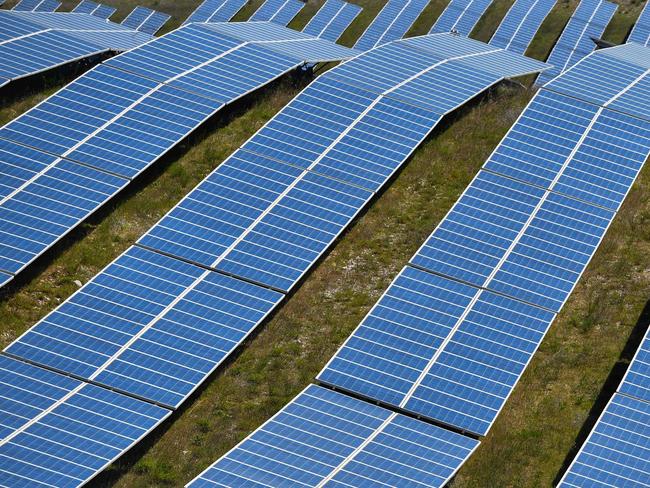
560	396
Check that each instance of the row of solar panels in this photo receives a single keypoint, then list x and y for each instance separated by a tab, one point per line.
451	336
153	325
617	451
70	154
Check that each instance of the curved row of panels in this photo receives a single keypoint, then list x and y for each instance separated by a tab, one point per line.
455	330
159	319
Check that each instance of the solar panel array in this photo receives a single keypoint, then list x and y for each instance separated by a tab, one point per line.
279	11
216	11
77	149
455	330
146	20
94	8
163	316
521	23
461	16
392	23
617	451
33	42
332	19
37	6
588	21
324	438
641	30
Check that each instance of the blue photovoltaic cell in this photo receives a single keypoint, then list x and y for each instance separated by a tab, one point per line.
279	11
608	160
204	11
18	164
343	19
85	7
378	143
27	5
154	22
48	207
295	232
47	6
12	26
175	53
589	21
42	51
321	19
104	11
209	219
186	319
76	111
602	76
548	259
137	17
475	235
637	379
641	31
380	24
478	368
460	16
5	278
542	139
617	452
392	346
520	24
81	428
393	22
324	436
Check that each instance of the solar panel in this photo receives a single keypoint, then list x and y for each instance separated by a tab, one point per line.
58	431
279	11
460	16
115	119
85	7
332	19
36	6
588	21
145	20
149	325
521	23
616	452
13	26
637	379
393	22
104	11
323	437
641	30
216	11
154	22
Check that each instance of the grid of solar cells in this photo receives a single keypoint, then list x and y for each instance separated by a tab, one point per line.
324	438
393	22
36	6
104	11
515	244
13	26
279	11
617	451
145	20
216	11
641	30
149	325
637	379
589	20
332	19
58	431
115	119
94	8
521	23
460	16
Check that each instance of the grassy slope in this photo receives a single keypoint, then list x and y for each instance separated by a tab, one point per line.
547	411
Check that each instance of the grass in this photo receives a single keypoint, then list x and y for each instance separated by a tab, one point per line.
557	398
